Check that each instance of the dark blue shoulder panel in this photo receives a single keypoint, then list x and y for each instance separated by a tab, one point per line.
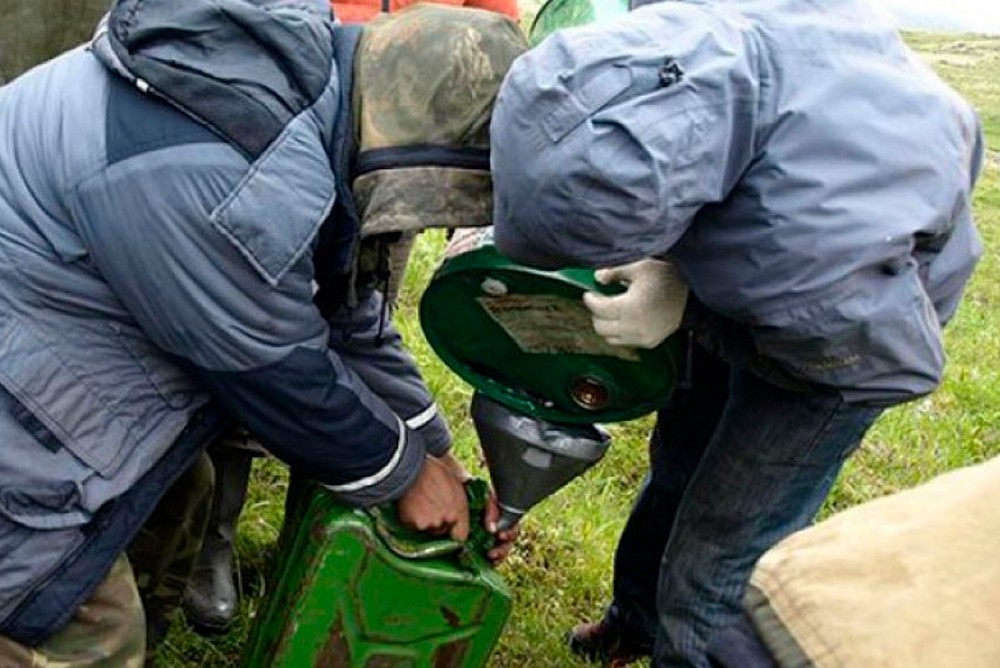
137	123
245	68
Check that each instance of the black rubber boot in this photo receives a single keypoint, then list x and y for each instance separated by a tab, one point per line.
211	599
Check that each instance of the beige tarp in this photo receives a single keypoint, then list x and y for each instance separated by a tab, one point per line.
911	580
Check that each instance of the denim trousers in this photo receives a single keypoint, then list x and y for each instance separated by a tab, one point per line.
736	464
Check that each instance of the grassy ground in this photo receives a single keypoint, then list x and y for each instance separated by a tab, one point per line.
560	571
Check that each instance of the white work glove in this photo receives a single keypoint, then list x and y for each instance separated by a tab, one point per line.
647	312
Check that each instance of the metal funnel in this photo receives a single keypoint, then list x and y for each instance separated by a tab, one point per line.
530	458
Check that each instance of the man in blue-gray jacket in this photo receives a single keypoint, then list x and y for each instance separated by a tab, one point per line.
785	180
182	206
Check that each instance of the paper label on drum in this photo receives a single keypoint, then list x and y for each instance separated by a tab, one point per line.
551	325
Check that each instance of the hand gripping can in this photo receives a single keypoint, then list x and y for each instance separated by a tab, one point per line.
355	589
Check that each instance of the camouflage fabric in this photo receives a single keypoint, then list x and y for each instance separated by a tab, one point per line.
399	257
165	550
106	632
382	262
429	75
416	198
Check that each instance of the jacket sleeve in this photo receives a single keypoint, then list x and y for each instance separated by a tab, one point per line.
367	342
947	262
214	261
607	140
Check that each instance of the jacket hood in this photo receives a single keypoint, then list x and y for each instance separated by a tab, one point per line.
575	182
243	67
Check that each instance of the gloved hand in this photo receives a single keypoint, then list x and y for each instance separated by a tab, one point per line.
647	312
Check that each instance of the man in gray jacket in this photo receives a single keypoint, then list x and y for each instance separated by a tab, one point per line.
789	183
181	247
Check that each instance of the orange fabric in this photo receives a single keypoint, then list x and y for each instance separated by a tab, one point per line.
359	11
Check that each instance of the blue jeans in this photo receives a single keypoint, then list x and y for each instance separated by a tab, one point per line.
736	464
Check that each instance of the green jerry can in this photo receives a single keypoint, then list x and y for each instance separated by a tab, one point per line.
556	14
355	589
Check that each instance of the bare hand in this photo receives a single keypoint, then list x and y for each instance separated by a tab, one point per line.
504	539
436	502
456	467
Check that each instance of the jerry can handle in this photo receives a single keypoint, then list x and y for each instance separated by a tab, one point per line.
405	542
410	544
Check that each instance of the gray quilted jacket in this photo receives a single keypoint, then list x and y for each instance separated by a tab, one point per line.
162	197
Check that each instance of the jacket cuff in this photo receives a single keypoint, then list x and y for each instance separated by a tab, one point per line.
392	480
432	429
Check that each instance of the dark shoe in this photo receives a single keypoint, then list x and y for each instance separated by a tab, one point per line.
211	600
609	643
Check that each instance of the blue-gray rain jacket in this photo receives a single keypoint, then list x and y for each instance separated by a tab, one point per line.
162	197
810	177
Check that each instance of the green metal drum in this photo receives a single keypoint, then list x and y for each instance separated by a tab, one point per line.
524	338
556	14
355	589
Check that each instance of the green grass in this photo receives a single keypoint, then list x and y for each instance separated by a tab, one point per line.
560	571
971	64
